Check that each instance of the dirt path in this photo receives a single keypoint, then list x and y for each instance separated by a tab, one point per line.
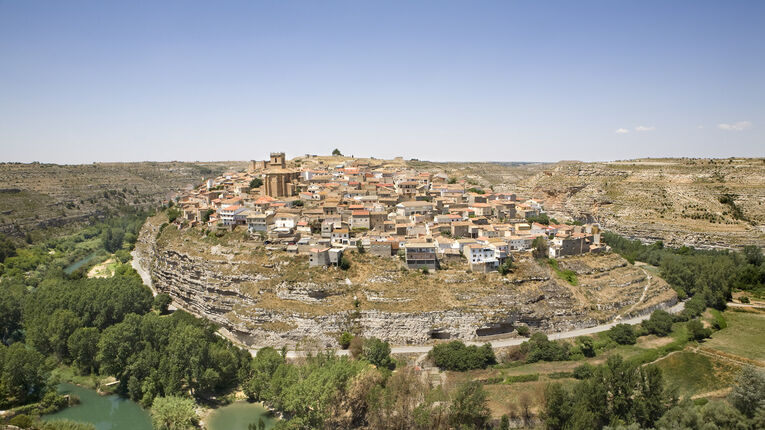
642	296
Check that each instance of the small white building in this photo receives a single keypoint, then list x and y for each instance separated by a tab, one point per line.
285	220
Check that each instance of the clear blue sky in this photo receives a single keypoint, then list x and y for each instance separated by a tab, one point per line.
84	81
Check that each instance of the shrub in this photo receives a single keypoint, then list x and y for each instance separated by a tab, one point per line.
345	340
744	299
356	347
623	334
66	425
455	355
660	323
697	331
584	371
377	352
542	349
523	330
345	263
523	378
21	420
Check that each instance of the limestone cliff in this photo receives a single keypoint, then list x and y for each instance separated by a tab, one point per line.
274	299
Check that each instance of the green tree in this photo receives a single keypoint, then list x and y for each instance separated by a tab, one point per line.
345	263
586	345
173	413
83	347
345	340
336	152
23	375
539	247
61	325
7	248
173	214
162	302
256	183
377	352
558	407
206	215
697	331
11	299
623	334
469	408
540	348
457	356
749	392
660	323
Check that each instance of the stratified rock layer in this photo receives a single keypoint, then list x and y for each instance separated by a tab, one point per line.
274	299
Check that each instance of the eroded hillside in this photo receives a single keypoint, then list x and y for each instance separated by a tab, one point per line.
698	202
274	298
39	196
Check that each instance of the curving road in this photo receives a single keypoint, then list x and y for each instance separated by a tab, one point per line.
559	335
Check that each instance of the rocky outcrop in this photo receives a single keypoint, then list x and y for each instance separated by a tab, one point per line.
263	304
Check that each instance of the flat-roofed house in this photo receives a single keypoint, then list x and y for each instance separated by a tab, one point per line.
481	258
412	207
258	222
232	215
340	236
360	219
421	255
318	257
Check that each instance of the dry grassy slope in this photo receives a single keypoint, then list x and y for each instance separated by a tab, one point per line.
675	200
35	196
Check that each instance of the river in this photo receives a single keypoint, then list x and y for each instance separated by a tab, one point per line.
81	262
110	412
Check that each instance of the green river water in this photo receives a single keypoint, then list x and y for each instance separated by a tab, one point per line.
118	413
105	412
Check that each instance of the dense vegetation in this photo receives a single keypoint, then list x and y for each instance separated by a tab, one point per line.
455	355
709	276
623	395
114	327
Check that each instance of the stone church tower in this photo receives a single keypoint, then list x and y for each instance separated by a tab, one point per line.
279	179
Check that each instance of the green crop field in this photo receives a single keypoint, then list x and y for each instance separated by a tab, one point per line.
694	373
742	337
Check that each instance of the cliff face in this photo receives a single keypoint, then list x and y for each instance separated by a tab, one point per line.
275	299
702	203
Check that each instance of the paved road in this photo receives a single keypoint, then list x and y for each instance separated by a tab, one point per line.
560	335
145	276
423	349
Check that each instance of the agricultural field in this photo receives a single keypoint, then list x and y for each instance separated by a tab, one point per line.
743	337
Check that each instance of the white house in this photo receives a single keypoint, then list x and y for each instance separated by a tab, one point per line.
232	215
285	220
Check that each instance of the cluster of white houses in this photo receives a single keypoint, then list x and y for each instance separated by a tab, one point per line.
424	217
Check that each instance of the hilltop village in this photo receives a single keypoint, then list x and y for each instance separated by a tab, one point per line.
321	206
